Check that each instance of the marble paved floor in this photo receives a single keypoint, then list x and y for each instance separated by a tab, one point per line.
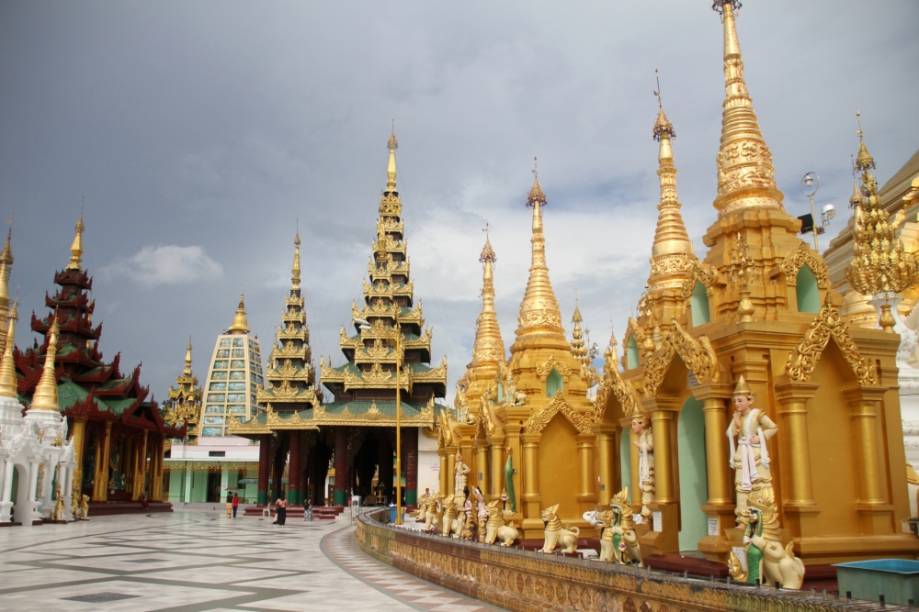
200	560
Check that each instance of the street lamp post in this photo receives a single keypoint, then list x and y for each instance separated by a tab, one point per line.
398	424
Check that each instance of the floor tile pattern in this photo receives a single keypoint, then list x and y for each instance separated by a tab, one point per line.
199	560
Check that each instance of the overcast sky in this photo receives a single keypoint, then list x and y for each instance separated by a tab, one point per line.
199	132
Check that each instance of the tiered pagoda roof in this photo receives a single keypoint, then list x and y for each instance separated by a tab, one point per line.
290	381
86	384
183	405
389	326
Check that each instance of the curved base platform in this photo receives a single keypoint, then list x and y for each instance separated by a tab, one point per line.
525	580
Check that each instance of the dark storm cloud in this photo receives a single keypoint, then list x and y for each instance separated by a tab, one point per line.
200	132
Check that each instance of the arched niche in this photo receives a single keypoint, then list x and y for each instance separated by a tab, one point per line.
808	293
692	473
631	353
698	305
625	458
558	466
554	383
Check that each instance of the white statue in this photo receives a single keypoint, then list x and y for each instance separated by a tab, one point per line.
748	432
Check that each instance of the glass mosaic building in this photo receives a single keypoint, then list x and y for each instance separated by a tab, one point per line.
234	375
206	466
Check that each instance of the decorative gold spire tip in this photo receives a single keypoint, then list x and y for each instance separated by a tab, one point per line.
488	253
864	160
662	125
392	144
45	395
240	321
76	247
536	193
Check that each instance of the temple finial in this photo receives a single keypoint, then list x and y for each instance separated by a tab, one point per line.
662	125
536	193
240	321
45	395
186	371
488	253
392	144
6	263
76	247
864	160
8	384
295	269
744	180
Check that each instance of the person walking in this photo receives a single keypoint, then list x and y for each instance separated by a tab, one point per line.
229	505
235	504
281	510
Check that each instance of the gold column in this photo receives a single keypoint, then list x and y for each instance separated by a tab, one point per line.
78	437
662	426
481	467
793	398
156	482
531	496
607	471
442	473
587	495
863	411
97	471
715	399
106	456
451	470
497	467
634	476
140	469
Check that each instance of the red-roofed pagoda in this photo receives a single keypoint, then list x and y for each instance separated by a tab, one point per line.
118	434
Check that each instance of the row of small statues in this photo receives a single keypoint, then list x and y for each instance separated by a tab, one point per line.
468	517
79	507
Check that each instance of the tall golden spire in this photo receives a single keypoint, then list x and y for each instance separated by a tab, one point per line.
880	264
76	247
295	270
488	346
45	396
6	262
672	249
746	178
240	322
539	310
392	144
8	386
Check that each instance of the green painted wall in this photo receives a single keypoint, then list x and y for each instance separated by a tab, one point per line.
625	459
693	478
176	485
807	290
698	305
631	353
198	487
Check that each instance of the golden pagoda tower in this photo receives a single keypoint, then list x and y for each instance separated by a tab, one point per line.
548	415
759	307
479	385
6	266
290	383
183	403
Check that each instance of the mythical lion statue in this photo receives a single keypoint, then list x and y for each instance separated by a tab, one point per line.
496	528
767	561
556	534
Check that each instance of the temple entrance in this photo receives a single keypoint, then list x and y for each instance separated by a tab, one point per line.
625	462
692	473
213	486
20	492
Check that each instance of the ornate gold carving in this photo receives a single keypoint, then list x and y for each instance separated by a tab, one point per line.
804	256
538	421
697	354
828	323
